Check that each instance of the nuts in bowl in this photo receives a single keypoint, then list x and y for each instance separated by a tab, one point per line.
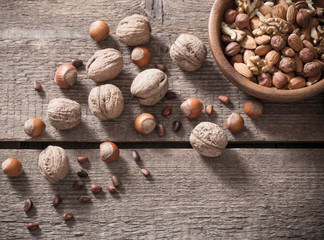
275	46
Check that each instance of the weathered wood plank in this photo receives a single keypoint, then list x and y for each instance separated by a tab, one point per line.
37	36
244	194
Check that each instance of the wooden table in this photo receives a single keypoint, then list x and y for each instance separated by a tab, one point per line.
268	184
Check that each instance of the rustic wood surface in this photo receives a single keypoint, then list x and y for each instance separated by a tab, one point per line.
38	36
244	194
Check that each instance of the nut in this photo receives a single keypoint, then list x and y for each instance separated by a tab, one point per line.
150	86
12	167
112	189
277	42
77	63
136	157
247	55
309	45
234	122
176	126
98	30
279	11
253	109
141	56
279	79
208	139
301	4
248	43
288	52
95	189
224	99
263	39
262	50
258	65
134	30
273	26
226	38
84	199
191	108
145	172
82	173
299	63
64	113
115	181
56	200
242	20
209	109
312	69
273	57
243	69
82	159
105	65
238	58
235	34
232	49
297	82
291	14
53	163
303	17
34	127
170	95
109	152
306	55
160	130
66	76
314	79
166	111
145	123
67	216
28	205
230	16
254	23
288	65
264	79
32	226
188	52
106	101
78	185
266	10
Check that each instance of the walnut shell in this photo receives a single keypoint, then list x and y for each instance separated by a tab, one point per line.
105	65
188	52
208	139
106	101
134	30
53	163
64	113
150	86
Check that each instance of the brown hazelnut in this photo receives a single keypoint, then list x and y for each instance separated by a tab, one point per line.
66	76
227	39
141	56
297	82
191	108
253	109
322	57
303	17
230	16
264	79
288	52
312	69
34	127
288	65
145	123
306	55
98	30
235	122
232	49
109	152
277	42
279	79
242	20
238	58
12	167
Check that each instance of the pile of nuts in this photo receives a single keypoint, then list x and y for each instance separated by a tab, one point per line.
276	45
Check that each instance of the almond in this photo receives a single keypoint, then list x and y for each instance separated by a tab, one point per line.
295	42
291	14
283	3
265	10
296	82
299	63
249	43
262	40
279	11
254	23
273	57
247	55
309	45
262	50
288	52
243	69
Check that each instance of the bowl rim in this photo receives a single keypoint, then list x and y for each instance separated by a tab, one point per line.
271	94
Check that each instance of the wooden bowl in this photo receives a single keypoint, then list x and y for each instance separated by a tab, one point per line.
272	94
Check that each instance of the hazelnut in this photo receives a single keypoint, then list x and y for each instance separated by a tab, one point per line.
66	76
134	30
264	79
279	79
242	20
312	69
303	17
253	109
277	42
226	38
288	52
296	82
108	151
232	49
306	55
238	58
322	57
64	113
34	127
234	122
12	167
288	65
208	139
106	101
145	123
191	108
98	30
230	16
141	56
188	52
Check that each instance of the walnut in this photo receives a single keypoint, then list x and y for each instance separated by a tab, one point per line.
247	6
64	113
188	52
208	139
258	65
275	26
106	101
134	30
236	35
150	86
53	163
105	65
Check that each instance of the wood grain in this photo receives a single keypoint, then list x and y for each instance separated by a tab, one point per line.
38	36
243	194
